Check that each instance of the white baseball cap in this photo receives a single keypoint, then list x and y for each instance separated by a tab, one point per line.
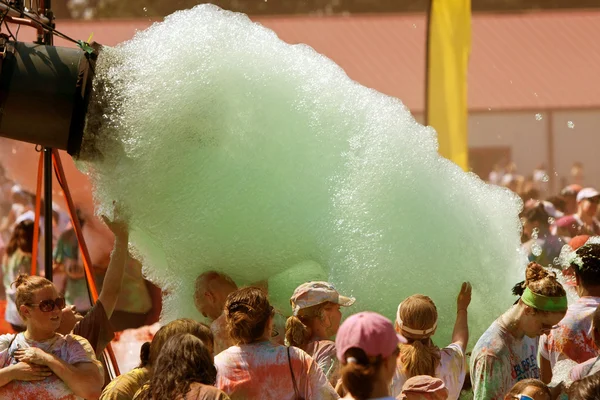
587	193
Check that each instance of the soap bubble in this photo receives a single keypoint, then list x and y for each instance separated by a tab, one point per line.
571	124
538	117
233	150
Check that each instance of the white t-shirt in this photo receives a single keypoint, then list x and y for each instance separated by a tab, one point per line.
72	349
452	370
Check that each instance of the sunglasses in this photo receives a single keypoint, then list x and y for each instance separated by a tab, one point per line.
49	305
522	397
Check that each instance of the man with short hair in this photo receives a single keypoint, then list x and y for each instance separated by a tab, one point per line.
212	289
584	221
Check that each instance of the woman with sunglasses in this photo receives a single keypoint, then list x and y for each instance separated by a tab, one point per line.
529	389
507	351
40	363
258	369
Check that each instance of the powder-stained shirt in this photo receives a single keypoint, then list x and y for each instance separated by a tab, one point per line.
499	360
125	386
452	370
323	353
590	367
573	337
72	349
260	371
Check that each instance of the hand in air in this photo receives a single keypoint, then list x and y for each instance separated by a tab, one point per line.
464	297
27	372
33	355
119	225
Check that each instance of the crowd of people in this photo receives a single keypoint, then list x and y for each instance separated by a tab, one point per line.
540	348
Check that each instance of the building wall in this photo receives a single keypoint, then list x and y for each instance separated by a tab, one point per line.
525	134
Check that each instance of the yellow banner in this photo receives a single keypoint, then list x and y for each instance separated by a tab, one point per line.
448	48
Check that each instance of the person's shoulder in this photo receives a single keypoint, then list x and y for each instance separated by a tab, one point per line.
453	350
6	340
492	343
199	391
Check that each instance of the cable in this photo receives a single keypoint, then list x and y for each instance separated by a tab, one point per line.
43	25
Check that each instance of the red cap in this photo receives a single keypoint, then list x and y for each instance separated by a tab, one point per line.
369	331
578	241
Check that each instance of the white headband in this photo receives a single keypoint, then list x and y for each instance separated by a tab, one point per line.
420	332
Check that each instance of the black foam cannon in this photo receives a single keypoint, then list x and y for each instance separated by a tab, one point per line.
45	92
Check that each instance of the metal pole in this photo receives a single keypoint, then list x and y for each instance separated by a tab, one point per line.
47	213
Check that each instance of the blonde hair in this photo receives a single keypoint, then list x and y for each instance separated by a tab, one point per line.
419	356
26	286
297	328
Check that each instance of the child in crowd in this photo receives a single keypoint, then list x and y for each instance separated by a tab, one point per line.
529	389
507	351
184	371
424	387
416	320
316	318
367	347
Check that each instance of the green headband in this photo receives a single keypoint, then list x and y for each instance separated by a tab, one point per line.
544	303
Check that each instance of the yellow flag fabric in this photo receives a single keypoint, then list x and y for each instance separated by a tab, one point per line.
448	48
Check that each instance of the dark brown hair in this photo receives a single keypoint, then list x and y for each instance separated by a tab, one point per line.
21	238
587	388
542	282
184	359
26	286
359	377
179	326
419	356
247	311
524	384
589	270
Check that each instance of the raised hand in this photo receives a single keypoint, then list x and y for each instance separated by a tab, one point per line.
464	297
119	225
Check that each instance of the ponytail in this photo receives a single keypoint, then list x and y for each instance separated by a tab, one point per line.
419	357
358	375
297	333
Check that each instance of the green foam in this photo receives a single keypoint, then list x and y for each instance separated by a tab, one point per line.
233	150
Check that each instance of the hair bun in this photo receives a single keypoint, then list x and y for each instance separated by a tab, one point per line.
535	272
21	280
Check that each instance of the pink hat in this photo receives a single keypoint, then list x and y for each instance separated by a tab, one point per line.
369	331
424	387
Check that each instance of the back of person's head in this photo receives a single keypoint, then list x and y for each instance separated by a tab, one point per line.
247	311
587	388
416	320
537	215
586	264
367	348
144	355
184	359
214	279
542	282
297	327
558	203
21	238
531	387
179	326
26	287
424	387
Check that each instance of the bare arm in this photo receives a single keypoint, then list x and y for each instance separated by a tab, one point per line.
116	267
461	326
545	370
23	372
84	379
